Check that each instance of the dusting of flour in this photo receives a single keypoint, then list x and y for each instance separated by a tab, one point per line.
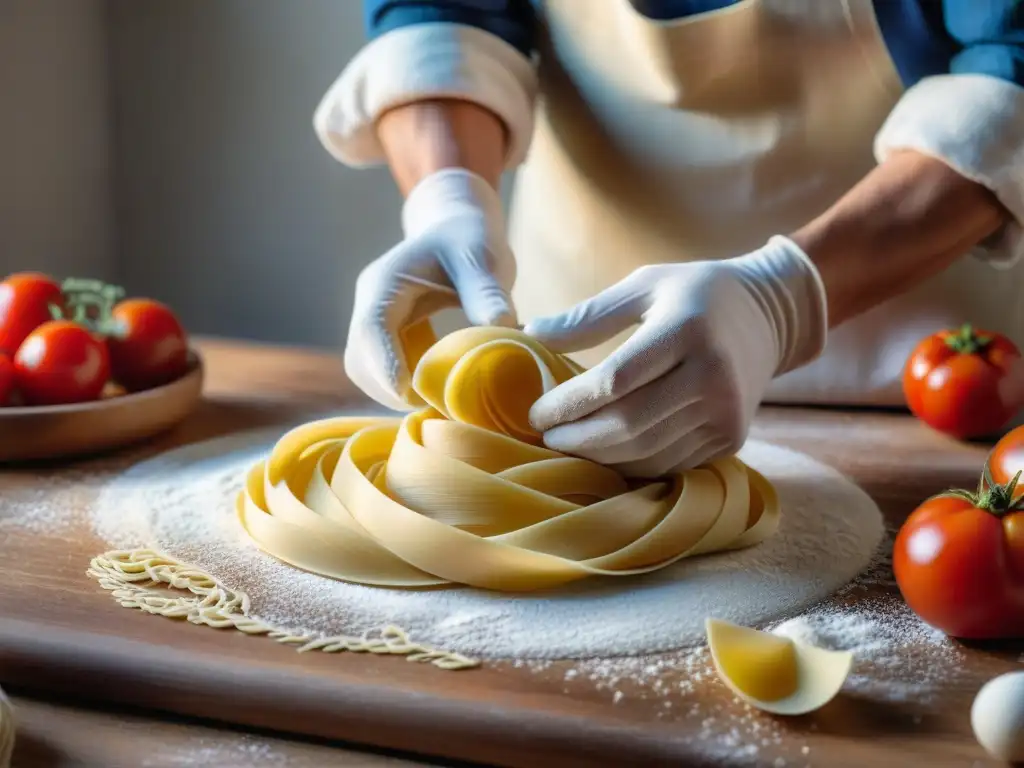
182	503
897	658
51	500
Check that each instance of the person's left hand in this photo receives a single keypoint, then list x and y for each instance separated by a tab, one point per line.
684	387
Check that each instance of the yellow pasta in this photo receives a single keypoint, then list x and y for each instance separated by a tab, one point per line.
463	492
775	673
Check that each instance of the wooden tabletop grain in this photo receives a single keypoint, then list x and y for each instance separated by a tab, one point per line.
76	654
55	734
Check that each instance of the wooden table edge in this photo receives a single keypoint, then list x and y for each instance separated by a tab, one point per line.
353	712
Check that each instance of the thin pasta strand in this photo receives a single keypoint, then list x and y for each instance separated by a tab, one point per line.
153	583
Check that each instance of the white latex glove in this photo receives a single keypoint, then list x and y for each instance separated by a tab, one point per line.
455	252
684	387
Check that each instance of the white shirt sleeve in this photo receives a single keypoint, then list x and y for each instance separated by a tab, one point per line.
421	62
974	124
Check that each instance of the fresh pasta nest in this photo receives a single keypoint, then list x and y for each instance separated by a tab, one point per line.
462	491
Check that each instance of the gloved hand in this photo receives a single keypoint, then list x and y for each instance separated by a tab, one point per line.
455	252
684	387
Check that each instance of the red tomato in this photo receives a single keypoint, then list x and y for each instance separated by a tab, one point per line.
148	346
61	362
1007	459
952	382
25	300
6	379
959	562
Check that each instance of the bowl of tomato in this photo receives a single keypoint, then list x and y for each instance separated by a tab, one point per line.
84	370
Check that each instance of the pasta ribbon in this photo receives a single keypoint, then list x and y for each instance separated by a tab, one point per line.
463	491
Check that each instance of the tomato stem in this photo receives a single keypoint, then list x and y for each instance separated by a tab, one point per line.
966	341
992	497
89	303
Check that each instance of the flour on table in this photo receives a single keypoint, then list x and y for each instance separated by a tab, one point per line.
249	751
182	504
881	640
50	502
897	658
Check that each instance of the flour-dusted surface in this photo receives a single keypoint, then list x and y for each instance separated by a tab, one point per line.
898	659
50	501
182	503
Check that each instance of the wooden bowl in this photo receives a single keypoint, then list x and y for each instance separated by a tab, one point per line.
61	431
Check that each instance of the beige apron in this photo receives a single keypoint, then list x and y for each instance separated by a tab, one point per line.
699	139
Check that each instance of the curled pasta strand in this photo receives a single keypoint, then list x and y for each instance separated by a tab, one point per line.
143	580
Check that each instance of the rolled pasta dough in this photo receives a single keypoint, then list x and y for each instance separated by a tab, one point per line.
463	491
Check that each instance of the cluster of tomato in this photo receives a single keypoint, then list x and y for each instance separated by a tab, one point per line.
959	557
63	343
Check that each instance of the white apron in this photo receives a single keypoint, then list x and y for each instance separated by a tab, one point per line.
699	139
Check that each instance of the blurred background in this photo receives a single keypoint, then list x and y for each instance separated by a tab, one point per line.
168	145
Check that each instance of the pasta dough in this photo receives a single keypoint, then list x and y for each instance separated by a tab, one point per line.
462	491
773	673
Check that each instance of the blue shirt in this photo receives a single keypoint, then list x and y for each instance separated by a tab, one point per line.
924	37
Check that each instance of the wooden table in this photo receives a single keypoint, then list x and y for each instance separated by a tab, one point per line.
63	638
52	734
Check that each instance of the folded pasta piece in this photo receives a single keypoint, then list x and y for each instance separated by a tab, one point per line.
464	492
774	673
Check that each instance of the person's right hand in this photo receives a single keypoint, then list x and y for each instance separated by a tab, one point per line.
455	252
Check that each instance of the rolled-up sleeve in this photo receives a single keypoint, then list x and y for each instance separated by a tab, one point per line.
972	116
473	50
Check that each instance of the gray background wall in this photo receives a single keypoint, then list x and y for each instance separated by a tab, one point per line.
56	195
169	144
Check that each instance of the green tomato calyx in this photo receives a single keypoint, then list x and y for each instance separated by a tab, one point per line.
992	497
967	341
89	303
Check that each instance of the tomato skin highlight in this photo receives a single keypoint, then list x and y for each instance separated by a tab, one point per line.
6	379
961	568
61	362
25	299
148	346
951	382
